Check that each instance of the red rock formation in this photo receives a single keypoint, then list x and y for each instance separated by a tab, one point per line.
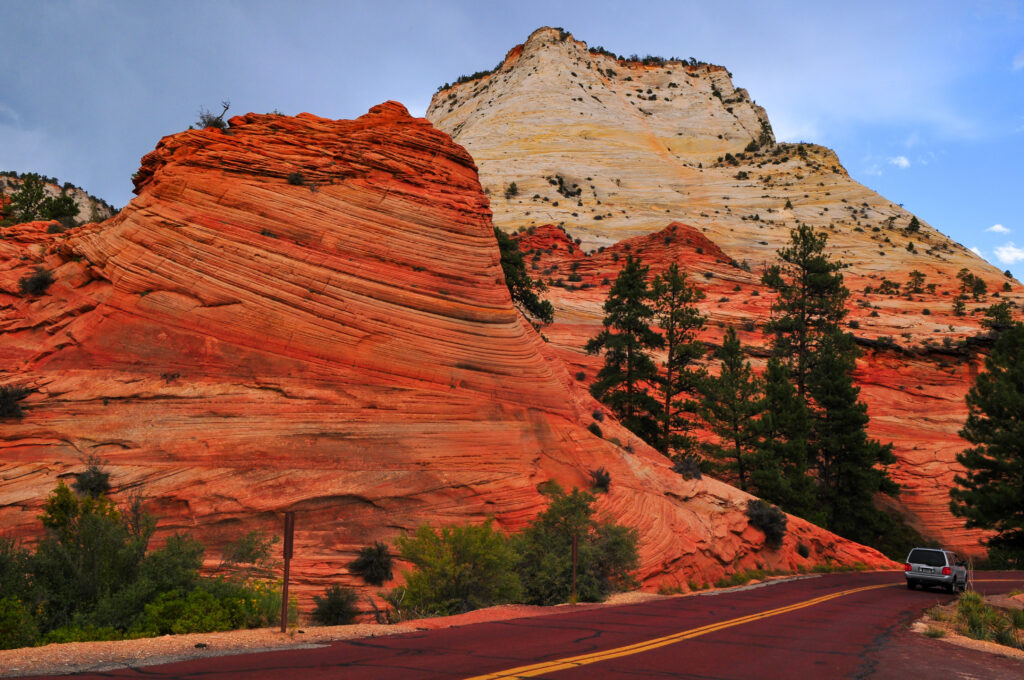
306	314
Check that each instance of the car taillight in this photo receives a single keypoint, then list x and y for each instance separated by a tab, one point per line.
907	567
946	571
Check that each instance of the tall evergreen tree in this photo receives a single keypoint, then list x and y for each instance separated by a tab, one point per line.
810	303
675	310
991	492
849	464
780	465
626	341
523	289
730	405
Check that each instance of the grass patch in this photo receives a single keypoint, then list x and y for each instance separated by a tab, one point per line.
976	619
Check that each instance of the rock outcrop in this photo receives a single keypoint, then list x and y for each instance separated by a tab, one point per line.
309	315
613	150
90	208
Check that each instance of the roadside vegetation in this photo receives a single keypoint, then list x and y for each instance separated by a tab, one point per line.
94	576
466	567
972	616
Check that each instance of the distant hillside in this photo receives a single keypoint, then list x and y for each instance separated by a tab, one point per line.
90	208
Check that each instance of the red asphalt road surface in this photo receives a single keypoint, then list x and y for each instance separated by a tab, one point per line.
860	635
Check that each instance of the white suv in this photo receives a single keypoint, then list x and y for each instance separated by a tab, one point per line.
935	567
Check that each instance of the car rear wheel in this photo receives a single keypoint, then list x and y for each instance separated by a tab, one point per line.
952	587
911	585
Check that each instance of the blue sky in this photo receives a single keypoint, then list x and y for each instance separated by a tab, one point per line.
923	101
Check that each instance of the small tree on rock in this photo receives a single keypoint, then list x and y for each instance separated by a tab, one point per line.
523	289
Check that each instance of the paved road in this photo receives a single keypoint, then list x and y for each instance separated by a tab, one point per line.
835	626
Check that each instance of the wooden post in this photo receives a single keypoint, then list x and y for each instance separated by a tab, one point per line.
574	542
289	532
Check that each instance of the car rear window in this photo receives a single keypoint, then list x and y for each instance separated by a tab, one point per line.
932	558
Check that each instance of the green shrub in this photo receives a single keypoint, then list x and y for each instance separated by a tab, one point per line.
209	120
803	550
336	608
374	564
606	552
769	520
1017	618
94	481
976	619
296	179
14	582
82	632
688	467
176	612
601	479
595	429
249	557
10	398
458	568
174	567
89	551
17	627
35	283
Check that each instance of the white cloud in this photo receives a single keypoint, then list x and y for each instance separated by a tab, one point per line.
1018	62
999	229
901	162
1008	253
874	170
977	251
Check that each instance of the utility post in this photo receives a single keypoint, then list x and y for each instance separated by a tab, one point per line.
575	541
289	532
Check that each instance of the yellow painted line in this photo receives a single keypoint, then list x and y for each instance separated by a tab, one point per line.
545	667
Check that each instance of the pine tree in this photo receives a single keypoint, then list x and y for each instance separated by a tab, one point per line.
626	341
521	286
674	303
730	405
991	492
831	421
27	201
811	300
780	464
849	465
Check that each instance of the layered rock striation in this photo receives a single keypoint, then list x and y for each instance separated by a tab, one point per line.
309	315
612	150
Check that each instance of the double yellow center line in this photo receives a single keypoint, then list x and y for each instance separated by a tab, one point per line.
552	666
